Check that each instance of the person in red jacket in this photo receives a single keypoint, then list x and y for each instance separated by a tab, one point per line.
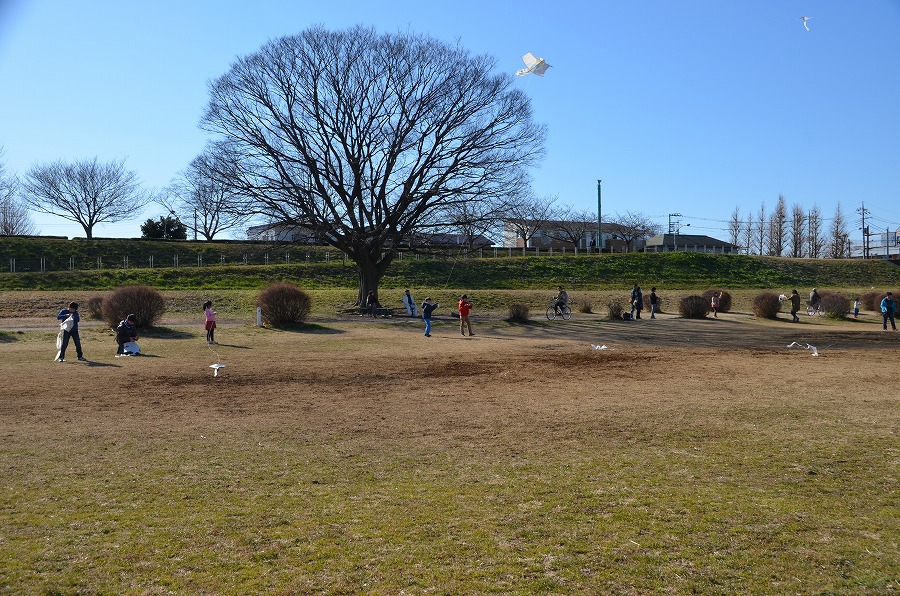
465	307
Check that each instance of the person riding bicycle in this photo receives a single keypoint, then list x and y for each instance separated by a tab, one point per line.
561	299
814	299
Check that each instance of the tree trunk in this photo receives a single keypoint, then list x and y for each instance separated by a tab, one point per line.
370	273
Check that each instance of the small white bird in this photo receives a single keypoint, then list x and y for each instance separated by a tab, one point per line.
804	19
533	65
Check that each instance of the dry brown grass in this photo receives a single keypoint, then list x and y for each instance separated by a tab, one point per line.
359	456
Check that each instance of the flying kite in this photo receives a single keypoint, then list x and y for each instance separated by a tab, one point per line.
533	65
804	19
812	349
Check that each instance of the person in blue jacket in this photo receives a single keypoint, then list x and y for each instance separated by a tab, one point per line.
427	308
71	311
888	306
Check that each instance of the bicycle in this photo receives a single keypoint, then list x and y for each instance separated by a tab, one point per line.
814	309
561	310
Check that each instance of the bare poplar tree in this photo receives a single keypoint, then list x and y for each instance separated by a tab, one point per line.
797	242
473	219
761	230
748	234
814	233
365	138
202	200
86	191
735	226
778	228
529	215
838	235
14	217
634	225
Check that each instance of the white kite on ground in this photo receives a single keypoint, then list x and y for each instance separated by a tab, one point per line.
596	347
812	349
218	364
533	65
804	19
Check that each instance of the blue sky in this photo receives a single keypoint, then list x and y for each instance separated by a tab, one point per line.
694	107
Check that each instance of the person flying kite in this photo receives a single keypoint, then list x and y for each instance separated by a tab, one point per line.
533	65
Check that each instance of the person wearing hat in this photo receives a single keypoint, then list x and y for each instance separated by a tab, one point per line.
72	333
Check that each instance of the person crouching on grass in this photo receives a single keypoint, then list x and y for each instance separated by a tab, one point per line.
210	322
125	333
465	307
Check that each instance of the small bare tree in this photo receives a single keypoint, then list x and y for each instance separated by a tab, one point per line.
797	242
634	225
838	236
14	217
529	215
735	226
573	226
748	234
778	228
202	200
86	192
814	233
761	230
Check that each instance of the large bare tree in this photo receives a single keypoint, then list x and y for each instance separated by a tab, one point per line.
85	191
366	137
797	241
202	200
14	217
634	225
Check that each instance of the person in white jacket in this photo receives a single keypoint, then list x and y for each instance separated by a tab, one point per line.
410	304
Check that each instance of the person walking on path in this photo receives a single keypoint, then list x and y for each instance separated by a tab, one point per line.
654	301
210	322
856	305
795	306
126	333
637	301
410	304
71	312
888	306
427	309
714	304
465	307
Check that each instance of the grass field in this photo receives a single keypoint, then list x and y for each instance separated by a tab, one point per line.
356	456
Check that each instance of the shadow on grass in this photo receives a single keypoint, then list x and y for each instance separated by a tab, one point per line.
7	337
311	328
93	364
166	333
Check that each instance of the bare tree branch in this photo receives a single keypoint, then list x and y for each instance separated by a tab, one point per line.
634	225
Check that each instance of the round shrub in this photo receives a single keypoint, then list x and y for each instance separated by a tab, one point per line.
143	302
693	307
724	299
585	306
766	305
283	304
835	305
872	300
518	313
614	309
94	307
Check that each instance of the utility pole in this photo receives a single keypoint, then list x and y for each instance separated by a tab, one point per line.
863	211
599	219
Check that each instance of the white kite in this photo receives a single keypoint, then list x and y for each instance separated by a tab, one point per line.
804	19
596	347
812	349
216	368
533	65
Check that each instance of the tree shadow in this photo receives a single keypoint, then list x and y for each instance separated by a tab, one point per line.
7	337
310	328
167	333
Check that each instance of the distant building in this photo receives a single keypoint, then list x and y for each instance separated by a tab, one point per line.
553	234
449	240
282	232
689	243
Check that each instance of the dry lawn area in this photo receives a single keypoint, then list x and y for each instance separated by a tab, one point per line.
356	456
